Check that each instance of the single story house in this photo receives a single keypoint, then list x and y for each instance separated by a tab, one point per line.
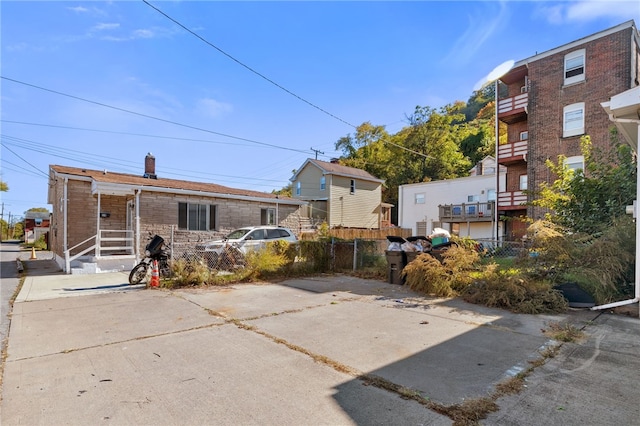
105	218
341	196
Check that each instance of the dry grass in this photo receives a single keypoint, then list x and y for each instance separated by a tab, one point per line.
563	332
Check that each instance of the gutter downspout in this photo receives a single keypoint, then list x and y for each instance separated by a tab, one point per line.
636	217
137	251
98	242
65	193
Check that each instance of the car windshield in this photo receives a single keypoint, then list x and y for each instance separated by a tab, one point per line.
237	234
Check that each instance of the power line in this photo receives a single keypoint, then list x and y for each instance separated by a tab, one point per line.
34	167
89	159
246	66
149	116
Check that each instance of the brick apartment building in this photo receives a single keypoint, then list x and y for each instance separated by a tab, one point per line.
554	98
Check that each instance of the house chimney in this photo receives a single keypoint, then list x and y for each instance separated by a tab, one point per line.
150	166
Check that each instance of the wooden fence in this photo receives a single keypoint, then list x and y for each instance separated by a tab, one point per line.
362	234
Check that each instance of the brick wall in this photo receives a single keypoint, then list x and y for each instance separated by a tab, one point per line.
608	62
158	214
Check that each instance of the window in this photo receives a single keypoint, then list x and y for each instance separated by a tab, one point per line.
574	67
197	217
38	222
573	123
491	194
268	216
473	198
277	233
323	183
420	198
523	182
353	186
575	162
524	135
297	188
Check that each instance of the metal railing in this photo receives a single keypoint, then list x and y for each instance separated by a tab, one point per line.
101	243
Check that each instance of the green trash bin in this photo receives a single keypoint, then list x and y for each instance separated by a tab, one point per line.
396	261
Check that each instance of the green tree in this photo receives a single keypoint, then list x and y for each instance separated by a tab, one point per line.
38	210
3	186
434	136
591	200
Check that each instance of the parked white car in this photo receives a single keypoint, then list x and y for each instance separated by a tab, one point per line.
244	240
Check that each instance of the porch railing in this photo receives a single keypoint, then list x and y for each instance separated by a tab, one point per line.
111	241
107	242
473	212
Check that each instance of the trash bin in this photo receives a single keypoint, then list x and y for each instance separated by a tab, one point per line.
396	260
411	255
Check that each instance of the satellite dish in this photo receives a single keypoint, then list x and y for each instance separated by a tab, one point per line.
497	72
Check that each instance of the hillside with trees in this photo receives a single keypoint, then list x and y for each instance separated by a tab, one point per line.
435	144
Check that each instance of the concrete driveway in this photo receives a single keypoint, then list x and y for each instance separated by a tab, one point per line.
323	350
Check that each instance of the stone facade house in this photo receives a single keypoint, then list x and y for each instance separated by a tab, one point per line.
107	217
341	196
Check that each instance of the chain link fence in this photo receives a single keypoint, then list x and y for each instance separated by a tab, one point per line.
500	249
334	255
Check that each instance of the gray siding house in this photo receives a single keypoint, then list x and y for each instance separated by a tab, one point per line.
339	195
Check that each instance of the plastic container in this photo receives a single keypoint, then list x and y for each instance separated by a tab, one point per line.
396	261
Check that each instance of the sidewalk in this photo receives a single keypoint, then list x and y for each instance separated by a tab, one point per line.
296	353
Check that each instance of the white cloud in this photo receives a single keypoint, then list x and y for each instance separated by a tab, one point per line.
212	108
78	9
589	10
143	33
480	28
106	26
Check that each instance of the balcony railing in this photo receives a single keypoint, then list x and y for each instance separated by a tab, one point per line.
514	200
512	152
513	109
466	212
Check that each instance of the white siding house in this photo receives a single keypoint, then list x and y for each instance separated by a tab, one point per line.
463	206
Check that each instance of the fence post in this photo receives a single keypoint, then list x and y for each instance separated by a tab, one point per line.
171	253
333	255
355	253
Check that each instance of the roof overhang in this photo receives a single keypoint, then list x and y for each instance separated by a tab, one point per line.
121	189
624	110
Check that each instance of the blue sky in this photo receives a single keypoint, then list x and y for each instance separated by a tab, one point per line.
100	84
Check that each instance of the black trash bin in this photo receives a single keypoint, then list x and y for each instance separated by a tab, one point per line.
396	260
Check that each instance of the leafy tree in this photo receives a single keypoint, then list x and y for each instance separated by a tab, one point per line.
39	210
287	191
434	135
591	200
3	186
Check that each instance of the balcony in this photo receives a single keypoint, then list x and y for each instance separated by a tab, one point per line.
466	212
514	200
513	152
512	110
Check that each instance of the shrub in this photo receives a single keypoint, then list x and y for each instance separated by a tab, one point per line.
188	273
427	275
514	291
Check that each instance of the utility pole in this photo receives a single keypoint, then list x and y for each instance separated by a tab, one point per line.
317	151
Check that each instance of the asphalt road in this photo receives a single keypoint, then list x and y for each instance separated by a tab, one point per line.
9	280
